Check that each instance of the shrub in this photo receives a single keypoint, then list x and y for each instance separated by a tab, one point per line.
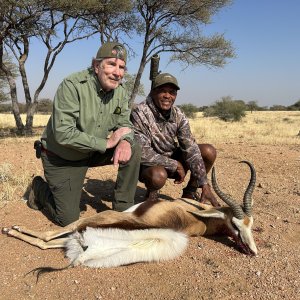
227	110
189	109
295	106
44	106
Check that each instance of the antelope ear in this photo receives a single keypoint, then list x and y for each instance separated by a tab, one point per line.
211	213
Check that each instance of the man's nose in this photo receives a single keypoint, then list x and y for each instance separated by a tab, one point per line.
118	71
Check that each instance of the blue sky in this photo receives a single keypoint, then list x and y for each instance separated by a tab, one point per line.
266	38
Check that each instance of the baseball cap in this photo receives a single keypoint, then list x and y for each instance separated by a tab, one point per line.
164	78
112	49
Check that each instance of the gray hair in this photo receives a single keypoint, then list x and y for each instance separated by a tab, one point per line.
96	60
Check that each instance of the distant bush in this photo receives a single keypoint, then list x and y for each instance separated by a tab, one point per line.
227	110
189	110
44	106
5	108
278	108
295	106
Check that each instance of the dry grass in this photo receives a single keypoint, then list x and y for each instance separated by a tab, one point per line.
262	127
12	184
272	128
269	127
8	121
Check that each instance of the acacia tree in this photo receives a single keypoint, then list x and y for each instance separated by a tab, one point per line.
174	26
8	30
113	19
252	105
4	95
22	21
55	23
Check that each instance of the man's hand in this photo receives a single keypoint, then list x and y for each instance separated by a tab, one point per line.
116	136
207	195
180	173
122	153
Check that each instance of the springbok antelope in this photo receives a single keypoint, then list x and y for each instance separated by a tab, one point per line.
149	231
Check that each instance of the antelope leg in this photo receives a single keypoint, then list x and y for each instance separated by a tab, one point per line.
44	235
56	243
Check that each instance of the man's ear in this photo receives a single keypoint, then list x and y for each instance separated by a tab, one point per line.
96	66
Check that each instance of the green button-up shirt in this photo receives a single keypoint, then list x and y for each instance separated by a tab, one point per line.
84	115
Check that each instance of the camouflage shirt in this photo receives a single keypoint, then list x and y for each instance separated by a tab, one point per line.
159	138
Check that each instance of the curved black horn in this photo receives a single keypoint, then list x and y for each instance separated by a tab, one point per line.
248	193
236	208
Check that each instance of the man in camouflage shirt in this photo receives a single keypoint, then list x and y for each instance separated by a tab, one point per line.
168	147
89	127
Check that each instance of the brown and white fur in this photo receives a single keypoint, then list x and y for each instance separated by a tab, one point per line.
149	231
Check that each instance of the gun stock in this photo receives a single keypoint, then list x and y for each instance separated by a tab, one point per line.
154	68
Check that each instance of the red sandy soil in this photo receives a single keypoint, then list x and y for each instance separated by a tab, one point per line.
211	268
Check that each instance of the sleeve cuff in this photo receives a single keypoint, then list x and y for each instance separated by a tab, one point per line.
100	145
129	138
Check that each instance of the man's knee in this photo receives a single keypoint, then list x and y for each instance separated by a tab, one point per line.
208	152
209	155
67	218
154	177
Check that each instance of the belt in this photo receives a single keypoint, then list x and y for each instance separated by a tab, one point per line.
48	152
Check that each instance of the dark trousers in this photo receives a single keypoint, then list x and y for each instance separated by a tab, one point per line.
60	195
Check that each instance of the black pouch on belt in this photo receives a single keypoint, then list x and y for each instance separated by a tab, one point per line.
38	148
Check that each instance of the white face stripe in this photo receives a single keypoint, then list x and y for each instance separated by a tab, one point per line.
246	233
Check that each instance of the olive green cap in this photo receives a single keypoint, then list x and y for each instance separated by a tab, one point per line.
112	49
164	78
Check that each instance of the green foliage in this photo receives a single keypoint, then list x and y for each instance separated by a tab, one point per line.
129	83
252	106
21	22
295	106
3	96
44	106
202	108
189	110
12	68
227	110
278	108
5	108
175	27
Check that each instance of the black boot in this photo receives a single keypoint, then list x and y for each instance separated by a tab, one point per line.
33	202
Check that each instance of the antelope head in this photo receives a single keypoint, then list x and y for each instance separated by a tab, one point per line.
239	222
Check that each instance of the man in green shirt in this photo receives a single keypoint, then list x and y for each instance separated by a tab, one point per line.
89	127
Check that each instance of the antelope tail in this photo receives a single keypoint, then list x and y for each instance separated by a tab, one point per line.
111	247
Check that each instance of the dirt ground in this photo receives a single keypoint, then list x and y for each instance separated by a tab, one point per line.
211	268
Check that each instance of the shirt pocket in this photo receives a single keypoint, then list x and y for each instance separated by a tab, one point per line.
112	121
105	124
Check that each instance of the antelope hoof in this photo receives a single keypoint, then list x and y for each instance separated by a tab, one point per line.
5	230
16	227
